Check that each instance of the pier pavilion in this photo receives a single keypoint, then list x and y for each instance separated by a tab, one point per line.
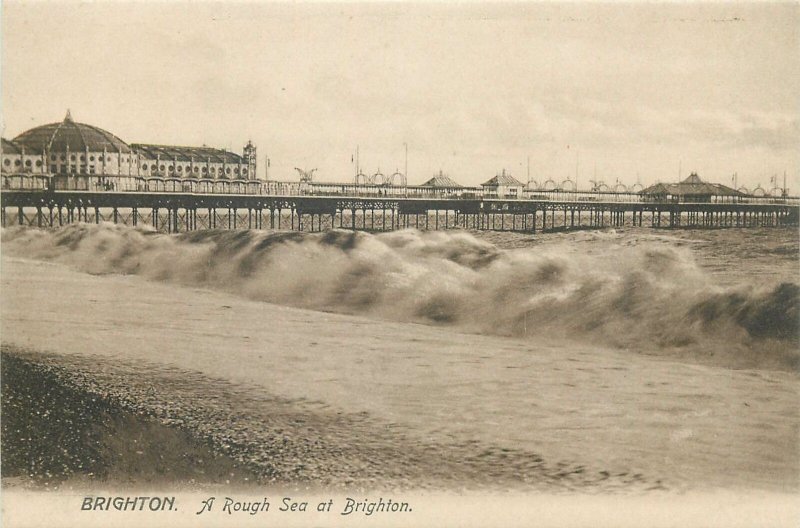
78	150
691	190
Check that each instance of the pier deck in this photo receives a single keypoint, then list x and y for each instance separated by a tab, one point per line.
177	212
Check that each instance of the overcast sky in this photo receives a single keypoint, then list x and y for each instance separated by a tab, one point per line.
616	90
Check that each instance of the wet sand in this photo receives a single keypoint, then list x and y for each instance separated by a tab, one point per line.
371	404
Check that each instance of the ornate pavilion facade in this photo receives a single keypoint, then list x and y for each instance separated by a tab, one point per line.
69	148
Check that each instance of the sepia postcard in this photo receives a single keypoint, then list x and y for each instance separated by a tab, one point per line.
400	264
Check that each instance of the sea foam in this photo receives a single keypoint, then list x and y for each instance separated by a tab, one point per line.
647	297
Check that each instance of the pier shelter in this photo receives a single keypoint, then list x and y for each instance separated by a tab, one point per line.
503	186
443	184
691	190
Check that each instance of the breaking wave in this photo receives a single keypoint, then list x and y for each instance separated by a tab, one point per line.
646	297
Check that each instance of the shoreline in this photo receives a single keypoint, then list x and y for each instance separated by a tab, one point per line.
183	428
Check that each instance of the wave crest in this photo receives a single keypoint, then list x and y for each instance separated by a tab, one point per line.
647	297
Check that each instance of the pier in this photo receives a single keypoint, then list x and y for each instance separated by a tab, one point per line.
173	212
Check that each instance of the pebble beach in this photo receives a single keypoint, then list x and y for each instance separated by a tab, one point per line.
108	422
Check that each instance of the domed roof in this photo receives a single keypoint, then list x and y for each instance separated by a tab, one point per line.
57	137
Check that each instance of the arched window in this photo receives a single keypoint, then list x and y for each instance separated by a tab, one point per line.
144	166
205	170
6	162
83	158
52	157
72	157
228	170
161	168
27	163
38	163
180	169
17	163
91	158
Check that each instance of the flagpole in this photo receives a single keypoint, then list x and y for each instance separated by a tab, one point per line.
405	174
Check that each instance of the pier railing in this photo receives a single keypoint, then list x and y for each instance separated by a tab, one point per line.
140	184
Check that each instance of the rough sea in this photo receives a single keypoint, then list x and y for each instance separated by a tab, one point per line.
613	359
